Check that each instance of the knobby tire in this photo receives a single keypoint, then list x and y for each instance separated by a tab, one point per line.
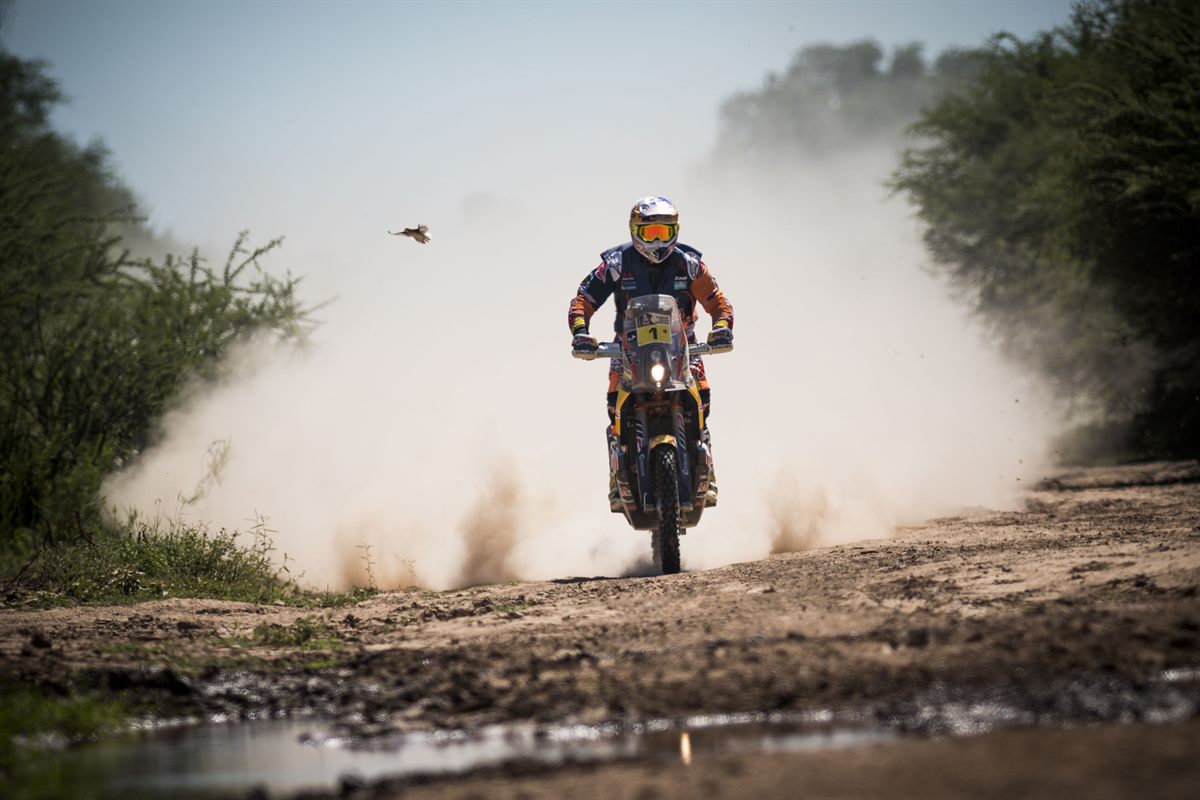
665	538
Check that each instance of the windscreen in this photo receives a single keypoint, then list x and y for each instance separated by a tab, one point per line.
653	323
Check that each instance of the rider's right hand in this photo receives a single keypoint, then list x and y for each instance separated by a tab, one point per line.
584	342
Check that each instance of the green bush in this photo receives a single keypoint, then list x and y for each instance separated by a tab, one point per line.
95	345
1061	190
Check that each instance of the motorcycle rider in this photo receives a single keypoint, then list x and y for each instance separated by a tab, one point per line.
654	261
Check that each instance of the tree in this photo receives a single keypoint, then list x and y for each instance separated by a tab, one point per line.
833	97
1062	196
95	345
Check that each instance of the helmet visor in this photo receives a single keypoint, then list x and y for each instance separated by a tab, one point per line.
656	232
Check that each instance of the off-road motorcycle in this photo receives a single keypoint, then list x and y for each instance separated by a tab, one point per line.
658	447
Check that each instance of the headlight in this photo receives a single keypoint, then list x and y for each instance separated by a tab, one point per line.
657	372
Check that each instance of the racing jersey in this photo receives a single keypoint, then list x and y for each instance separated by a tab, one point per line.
625	273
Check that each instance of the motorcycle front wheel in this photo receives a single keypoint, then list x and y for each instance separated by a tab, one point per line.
665	538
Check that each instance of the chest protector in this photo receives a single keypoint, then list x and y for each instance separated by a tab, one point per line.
633	275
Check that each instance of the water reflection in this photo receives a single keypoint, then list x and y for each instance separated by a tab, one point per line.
286	756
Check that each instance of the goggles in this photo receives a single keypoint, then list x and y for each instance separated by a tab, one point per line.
656	232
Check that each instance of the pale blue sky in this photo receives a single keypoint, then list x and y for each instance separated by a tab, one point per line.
272	115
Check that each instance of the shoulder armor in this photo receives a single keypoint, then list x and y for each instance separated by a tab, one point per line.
612	260
691	257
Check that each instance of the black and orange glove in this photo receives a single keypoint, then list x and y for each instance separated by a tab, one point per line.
584	342
721	335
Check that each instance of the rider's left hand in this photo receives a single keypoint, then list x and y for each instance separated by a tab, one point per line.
720	337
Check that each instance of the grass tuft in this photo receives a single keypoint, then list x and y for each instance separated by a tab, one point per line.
146	560
150	559
306	633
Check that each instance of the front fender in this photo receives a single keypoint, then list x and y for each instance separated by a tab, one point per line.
657	440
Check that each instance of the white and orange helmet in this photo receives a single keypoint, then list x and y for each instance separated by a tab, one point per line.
654	226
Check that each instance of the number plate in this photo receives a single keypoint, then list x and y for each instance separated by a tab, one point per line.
649	334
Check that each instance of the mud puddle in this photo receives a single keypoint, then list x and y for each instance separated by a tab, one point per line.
324	758
283	757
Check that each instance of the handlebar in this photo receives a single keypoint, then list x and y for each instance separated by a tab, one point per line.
613	350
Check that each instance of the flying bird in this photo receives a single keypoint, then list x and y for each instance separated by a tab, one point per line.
419	233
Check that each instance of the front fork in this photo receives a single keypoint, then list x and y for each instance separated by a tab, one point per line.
683	458
642	442
704	467
617	469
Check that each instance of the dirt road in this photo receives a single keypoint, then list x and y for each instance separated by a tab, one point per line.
1084	608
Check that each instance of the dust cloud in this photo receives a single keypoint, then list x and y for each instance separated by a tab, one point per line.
490	531
436	430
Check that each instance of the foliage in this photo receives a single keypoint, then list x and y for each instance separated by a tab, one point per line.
84	183
148	560
95	345
833	97
1062	195
140	559
306	633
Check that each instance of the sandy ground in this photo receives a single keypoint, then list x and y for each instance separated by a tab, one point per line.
1083	609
